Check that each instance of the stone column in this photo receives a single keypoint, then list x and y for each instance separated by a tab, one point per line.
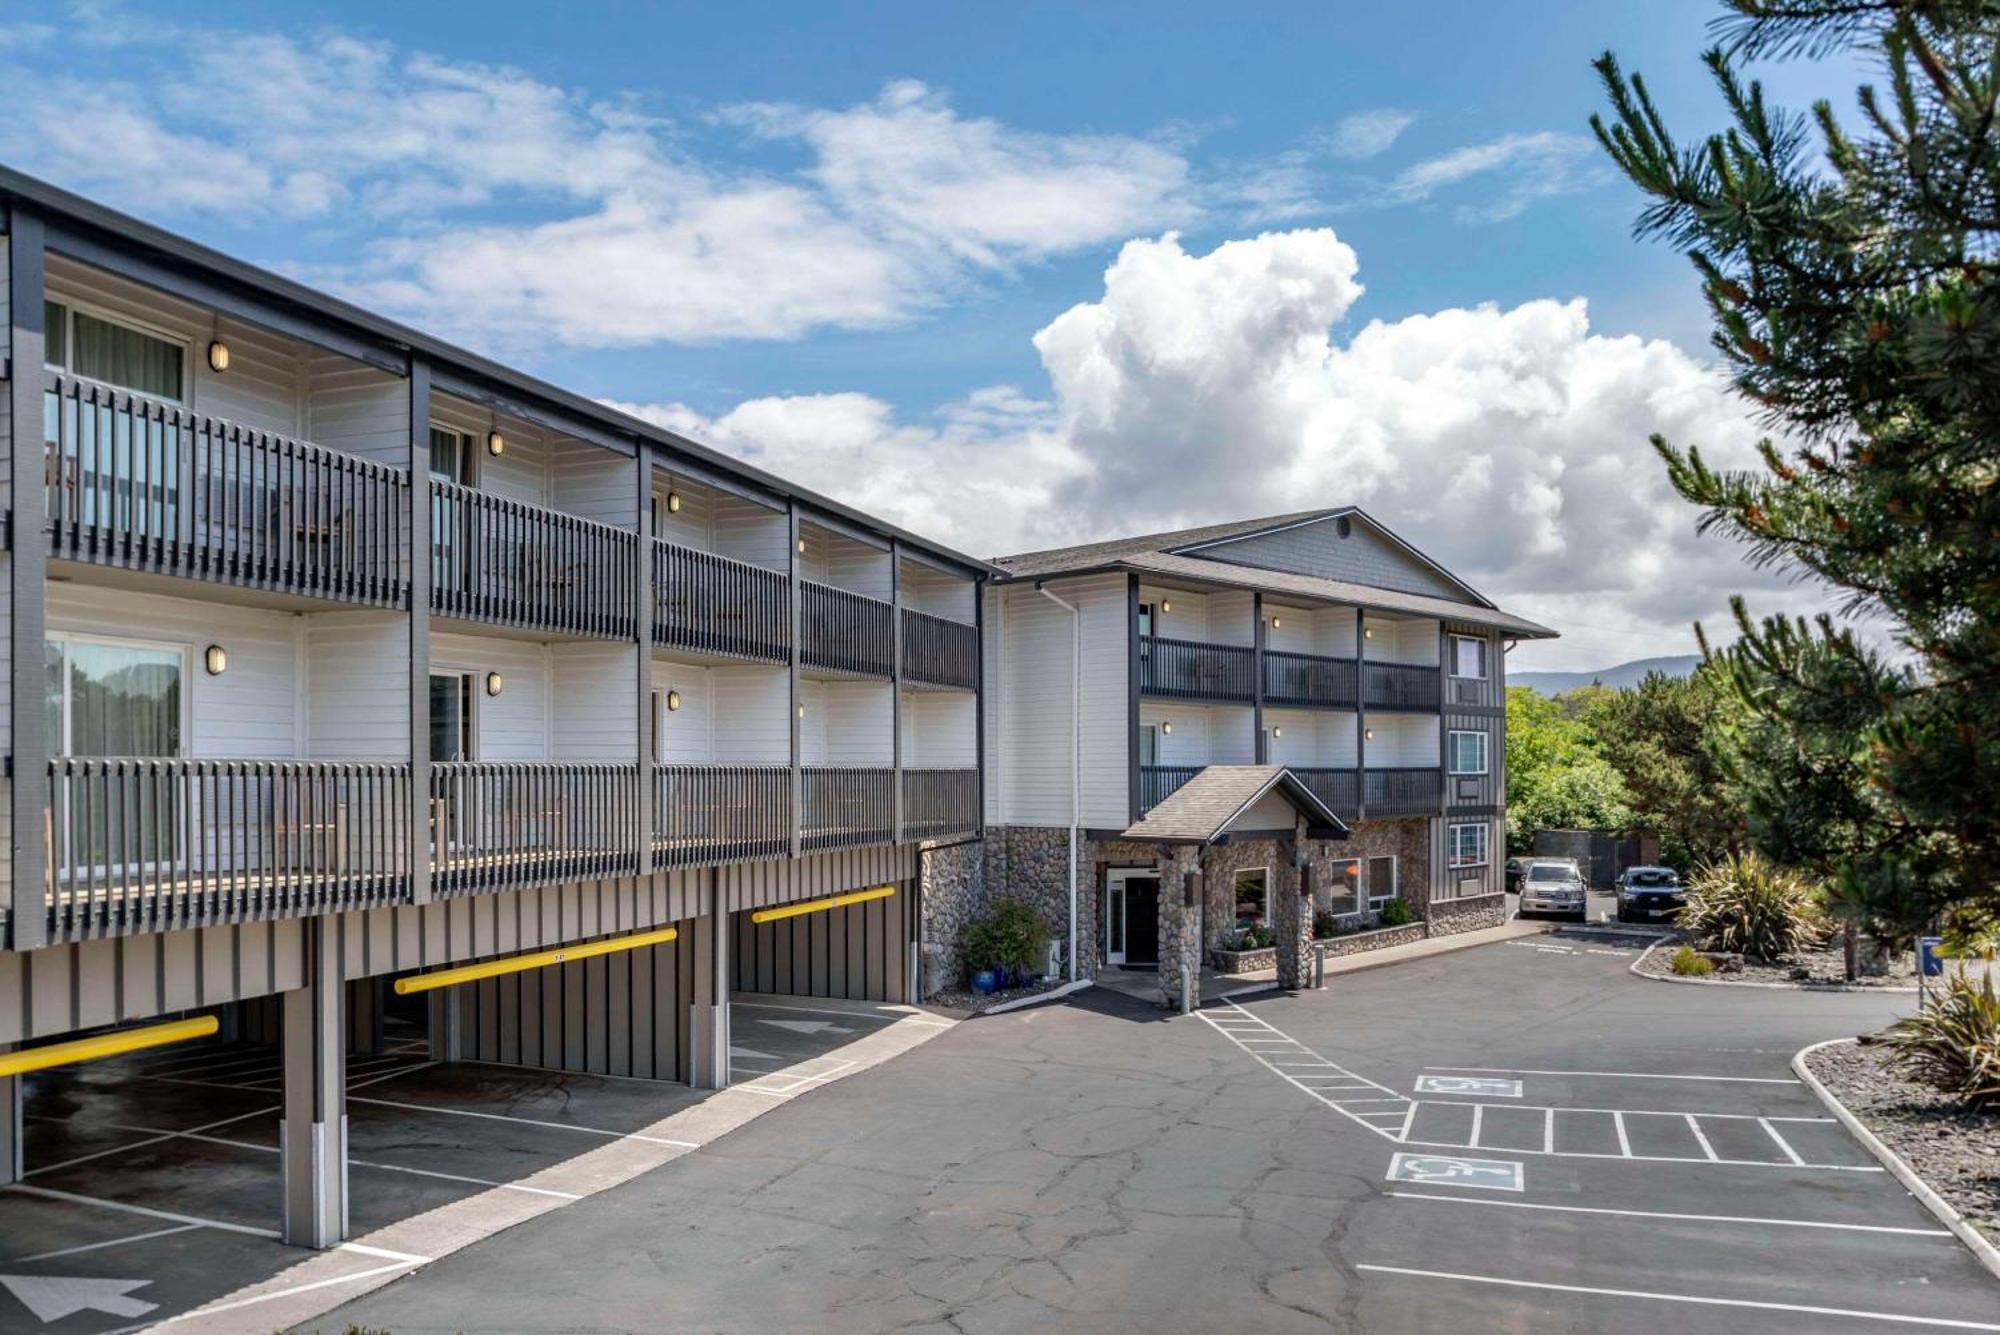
1291	916
1180	927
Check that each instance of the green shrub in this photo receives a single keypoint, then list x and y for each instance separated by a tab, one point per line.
1325	925
1691	963
1745	904
1954	1042
1009	935
1258	937
1395	913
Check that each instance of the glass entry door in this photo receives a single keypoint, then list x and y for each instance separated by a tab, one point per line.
450	461
111	698
1132	917
451	739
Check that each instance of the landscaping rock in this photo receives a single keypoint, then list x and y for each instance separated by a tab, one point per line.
1820	967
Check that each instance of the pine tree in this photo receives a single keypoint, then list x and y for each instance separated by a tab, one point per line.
1851	278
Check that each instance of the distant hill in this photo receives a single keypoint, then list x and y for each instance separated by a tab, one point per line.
1625	674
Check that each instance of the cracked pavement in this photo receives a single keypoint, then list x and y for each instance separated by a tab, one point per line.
1095	1165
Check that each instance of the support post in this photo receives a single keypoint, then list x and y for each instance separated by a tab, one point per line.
979	700
709	1020
12	1166
1360	715
1291	932
896	682
417	520
642	623
1180	901
28	862
1262	748
313	1140
792	540
447	1026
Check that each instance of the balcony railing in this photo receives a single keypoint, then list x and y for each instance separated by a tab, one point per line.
707	814
1158	782
847	632
848	807
147	843
148	485
940	802
502	560
1400	686
1339	788
1192	670
940	651
1308	681
1404	792
716	605
497	824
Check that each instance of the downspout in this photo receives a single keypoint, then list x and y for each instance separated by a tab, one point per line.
1075	754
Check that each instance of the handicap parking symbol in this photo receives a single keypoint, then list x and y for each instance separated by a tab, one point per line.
1439	1170
1468	1084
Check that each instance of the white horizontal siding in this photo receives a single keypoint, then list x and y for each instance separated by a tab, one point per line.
1177	614
693	525
847	723
937	593
1403	741
357	409
751	707
357	686
594	482
746	531
512	725
685	736
595	692
1338	739
1032	750
940	730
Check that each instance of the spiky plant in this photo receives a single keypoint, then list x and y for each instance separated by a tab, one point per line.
1746	904
1954	1042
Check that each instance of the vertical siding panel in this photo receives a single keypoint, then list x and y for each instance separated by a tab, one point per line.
570	980
597	1015
533	1022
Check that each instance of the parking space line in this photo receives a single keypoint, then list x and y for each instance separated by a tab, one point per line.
530	1121
1291	1072
78	1198
100	1246
1636	1112
1701	1139
1659	1158
296	1289
1696	1299
1548	1131
1624	1144
852	1015
460	1177
1624	1075
1687	1218
1782	1143
142	1144
1478	1113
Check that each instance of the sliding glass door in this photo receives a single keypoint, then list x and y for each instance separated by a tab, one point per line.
114	698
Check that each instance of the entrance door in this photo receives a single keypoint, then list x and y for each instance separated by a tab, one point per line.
1132	917
451	739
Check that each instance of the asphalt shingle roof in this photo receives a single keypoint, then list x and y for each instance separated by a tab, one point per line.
1061	559
1200	810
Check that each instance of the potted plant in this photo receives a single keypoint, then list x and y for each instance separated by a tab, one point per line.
1000	945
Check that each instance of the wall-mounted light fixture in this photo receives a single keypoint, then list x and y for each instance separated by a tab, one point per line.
673	701
218	356
673	502
495	683
802	546
802	711
1277	732
1368	733
1165	607
496	444
216	659
1277	622
1367	632
1167	729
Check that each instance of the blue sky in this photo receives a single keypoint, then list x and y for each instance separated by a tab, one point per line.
919	255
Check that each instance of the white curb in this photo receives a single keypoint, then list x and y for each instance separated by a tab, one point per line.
1985	1252
1888	989
1053	994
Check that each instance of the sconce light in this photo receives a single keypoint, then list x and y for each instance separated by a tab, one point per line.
496	444
1277	732
495	683
673	701
802	546
1368	733
1367	632
802	711
673	502
218	356
1165	607
1277	622
216	660
1167	729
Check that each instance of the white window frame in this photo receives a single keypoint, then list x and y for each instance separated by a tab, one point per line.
1485	749
1480	675
1376	901
1360	866
71	307
59	746
1485	842
1234	898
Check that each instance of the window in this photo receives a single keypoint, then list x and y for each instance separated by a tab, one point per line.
1145	618
114	698
451	716
1381	881
1149	745
1468	845
90	345
1343	887
451	557
1253	897
1468	753
1468	656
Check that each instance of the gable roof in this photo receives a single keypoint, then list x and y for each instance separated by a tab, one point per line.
1180	553
1204	808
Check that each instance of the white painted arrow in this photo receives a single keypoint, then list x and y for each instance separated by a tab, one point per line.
809	1026
53	1297
752	1053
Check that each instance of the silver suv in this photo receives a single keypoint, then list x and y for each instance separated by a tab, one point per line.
1552	886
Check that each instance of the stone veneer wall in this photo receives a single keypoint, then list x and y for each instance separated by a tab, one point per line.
953	890
1447	916
1408	841
1028	862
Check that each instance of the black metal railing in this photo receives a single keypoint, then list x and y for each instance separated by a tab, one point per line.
1308	681
140	483
1338	787
502	560
718	605
938	802
706	814
1192	670
151	843
1158	782
847	632
1400	686
848	807
1404	792
498	824
940	651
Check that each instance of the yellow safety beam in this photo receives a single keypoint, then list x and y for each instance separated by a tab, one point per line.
105	1045
822	905
541	959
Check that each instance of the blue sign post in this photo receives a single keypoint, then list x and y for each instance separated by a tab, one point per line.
1930	964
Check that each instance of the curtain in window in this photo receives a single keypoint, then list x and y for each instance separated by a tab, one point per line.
126	357
55	333
115	700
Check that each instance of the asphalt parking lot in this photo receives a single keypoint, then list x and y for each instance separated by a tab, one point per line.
1628	1156
153	1181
